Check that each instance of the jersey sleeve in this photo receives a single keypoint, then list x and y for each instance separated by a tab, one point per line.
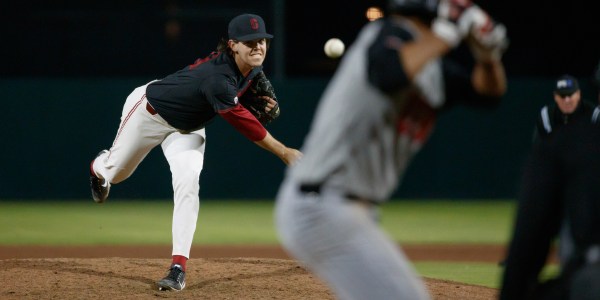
222	94
385	70
544	123
244	122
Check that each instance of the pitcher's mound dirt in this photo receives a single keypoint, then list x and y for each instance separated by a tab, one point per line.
89	273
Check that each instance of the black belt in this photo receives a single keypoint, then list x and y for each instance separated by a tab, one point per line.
153	112
316	188
310	188
150	109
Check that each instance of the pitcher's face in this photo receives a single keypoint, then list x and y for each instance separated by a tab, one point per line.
249	54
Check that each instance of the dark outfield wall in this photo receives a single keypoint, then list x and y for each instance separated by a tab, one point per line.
52	128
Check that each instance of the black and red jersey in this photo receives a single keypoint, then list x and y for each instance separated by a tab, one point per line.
191	97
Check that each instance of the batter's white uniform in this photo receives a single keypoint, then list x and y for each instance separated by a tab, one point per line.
358	148
139	132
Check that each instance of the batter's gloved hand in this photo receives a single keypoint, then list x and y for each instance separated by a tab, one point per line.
260	99
488	41
456	19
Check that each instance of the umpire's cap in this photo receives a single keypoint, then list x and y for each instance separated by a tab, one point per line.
566	85
248	27
421	8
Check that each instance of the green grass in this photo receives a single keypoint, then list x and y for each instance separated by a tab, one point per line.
236	222
131	222
422	222
471	273
251	222
67	223
483	274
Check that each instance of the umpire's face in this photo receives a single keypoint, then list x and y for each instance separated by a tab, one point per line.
567	103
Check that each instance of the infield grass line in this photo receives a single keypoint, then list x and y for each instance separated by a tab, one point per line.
236	222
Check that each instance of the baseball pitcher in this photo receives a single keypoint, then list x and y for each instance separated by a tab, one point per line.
173	112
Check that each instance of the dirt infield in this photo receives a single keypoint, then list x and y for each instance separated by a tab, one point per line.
216	272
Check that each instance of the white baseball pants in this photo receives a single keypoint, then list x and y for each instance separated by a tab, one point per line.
339	240
141	130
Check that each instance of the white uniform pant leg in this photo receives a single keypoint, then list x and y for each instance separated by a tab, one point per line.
185	154
138	133
339	241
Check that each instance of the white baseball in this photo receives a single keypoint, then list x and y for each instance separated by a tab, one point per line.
334	48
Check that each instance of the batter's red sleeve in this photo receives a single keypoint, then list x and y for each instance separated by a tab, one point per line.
244	122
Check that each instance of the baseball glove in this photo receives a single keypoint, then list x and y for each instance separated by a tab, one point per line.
254	101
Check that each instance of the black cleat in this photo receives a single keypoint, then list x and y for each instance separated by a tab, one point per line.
175	280
100	187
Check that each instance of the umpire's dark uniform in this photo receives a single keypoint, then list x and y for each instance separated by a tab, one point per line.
552	119
561	181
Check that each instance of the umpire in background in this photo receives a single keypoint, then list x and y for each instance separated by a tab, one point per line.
560	188
567	108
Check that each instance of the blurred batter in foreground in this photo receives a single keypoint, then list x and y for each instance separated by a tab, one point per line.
377	112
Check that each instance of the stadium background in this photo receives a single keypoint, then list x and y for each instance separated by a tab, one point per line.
67	67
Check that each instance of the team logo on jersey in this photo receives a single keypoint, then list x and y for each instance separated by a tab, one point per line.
235	100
